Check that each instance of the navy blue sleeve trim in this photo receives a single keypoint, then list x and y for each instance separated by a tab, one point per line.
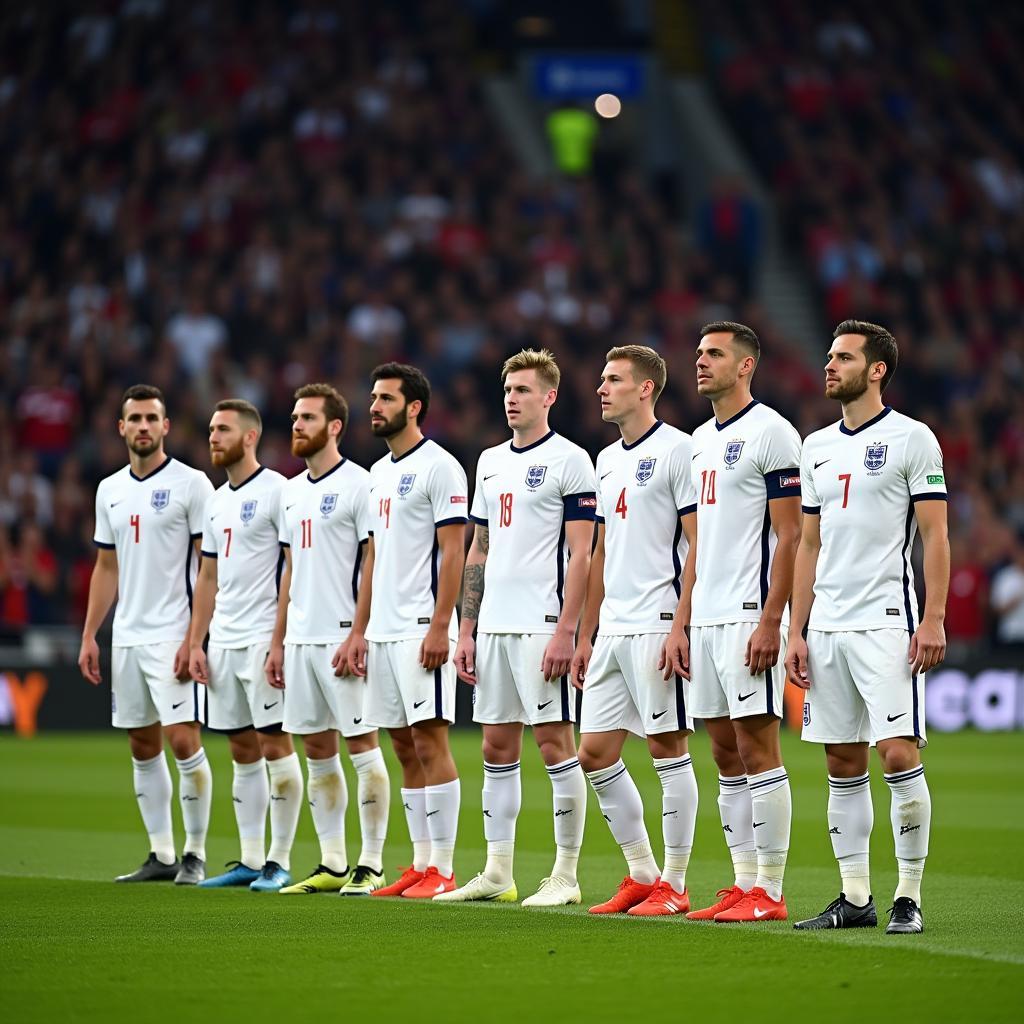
811	510
783	483
104	545
284	544
366	539
369	533
598	519
689	510
477	520
930	496
208	554
580	506
454	521
197	536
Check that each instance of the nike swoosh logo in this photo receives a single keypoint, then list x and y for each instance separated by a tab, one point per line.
114	504
292	505
541	707
491	477
818	465
267	707
174	707
759	913
744	696
419	703
892	718
666	814
356	721
609	473
758	824
214	516
658	714
692	457
430	814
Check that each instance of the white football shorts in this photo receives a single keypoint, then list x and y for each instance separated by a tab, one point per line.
721	685
510	686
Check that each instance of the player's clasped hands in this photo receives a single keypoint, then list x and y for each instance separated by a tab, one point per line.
350	657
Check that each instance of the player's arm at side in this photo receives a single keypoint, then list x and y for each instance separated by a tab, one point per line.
675	654
351	655
928	644
451	543
472	596
273	667
804	569
591	611
203	597
579	533
102	594
763	645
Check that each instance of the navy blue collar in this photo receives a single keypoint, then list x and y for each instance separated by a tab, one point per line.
152	473
844	429
733	419
640	440
323	476
418	444
252	476
526	447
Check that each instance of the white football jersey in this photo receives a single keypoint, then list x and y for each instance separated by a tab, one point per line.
524	496
410	497
240	530
738	466
150	522
642	490
864	484
324	523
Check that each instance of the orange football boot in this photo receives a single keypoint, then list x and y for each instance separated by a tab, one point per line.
664	900
430	885
629	894
409	877
756	905
726	898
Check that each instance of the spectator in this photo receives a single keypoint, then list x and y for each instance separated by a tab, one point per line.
1008	600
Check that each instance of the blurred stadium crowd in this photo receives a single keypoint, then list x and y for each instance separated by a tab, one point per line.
232	200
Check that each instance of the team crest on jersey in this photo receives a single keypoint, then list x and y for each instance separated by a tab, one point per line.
160	499
645	470
535	475
405	484
248	511
328	503
732	452
874	456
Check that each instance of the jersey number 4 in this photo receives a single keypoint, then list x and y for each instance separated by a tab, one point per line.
133	522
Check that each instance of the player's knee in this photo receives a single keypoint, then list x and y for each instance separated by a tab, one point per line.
184	740
245	748
321	746
727	760
899	757
593	758
497	752
277	746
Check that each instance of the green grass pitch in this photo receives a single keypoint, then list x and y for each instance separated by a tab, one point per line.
75	947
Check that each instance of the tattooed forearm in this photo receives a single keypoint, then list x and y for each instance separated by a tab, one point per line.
472	591
482	537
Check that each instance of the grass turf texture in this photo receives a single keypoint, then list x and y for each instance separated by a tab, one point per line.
76	947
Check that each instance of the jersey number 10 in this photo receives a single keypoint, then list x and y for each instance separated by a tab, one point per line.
707	487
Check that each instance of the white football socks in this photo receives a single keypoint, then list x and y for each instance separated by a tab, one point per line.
850	819
678	816
734	808
911	817
327	793
569	805
502	799
623	809
771	804
442	811
373	791
153	793
250	795
285	804
414	803
195	788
